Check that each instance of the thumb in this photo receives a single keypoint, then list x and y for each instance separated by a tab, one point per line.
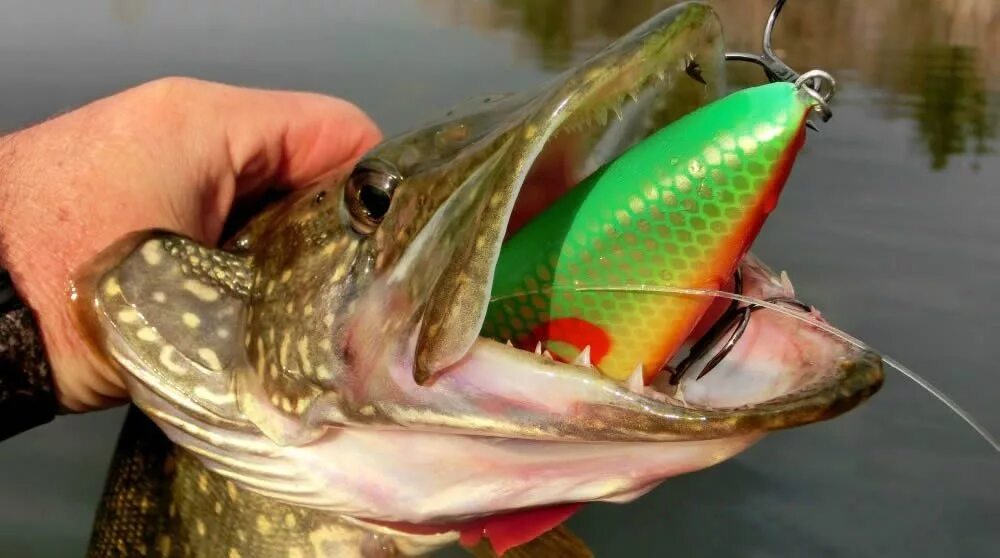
241	141
292	138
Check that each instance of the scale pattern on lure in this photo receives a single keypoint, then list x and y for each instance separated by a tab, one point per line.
679	209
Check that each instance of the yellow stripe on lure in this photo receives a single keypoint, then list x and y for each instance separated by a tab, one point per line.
679	209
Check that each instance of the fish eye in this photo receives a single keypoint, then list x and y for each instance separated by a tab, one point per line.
368	194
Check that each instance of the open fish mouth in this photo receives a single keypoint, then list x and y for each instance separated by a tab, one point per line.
331	356
547	143
785	369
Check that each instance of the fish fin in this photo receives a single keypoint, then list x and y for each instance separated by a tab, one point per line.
171	311
559	541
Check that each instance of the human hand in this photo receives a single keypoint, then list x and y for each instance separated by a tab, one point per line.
171	154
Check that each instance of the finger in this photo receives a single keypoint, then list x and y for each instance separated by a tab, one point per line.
241	142
291	138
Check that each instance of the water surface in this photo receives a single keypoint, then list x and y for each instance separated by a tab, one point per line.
888	224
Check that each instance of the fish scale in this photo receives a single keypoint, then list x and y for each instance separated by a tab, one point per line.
679	209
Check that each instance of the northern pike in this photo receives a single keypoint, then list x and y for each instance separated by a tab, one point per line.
322	379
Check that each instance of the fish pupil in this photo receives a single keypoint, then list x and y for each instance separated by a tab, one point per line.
375	201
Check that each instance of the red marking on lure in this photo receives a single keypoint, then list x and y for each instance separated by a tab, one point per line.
573	331
776	183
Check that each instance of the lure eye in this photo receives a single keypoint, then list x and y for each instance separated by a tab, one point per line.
368	194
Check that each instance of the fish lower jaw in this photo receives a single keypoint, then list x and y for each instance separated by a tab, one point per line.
420	477
401	476
635	382
770	361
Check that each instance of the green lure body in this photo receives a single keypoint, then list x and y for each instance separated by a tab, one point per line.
678	209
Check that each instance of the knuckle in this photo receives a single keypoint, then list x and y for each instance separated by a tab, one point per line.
164	103
168	89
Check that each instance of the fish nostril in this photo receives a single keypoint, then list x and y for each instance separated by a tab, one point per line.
693	69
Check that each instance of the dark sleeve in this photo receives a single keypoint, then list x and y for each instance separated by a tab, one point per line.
27	399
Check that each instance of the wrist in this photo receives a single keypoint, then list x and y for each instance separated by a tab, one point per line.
31	251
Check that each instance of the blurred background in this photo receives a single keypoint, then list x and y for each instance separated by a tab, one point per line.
888	224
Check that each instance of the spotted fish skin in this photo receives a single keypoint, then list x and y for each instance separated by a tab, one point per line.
161	502
679	209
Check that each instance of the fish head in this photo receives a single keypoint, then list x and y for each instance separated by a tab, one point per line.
330	356
419	223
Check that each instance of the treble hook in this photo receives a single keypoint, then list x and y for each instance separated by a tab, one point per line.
818	84
736	319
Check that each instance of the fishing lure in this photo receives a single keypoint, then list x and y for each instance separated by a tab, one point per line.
680	208
667	218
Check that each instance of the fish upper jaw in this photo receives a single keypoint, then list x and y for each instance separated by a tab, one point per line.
650	62
455	184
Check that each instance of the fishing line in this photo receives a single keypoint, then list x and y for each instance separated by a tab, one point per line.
662	290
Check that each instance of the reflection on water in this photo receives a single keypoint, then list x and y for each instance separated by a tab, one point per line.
931	59
951	105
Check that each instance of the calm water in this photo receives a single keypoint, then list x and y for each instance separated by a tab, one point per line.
889	224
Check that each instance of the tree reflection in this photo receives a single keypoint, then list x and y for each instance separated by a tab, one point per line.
544	21
930	59
951	109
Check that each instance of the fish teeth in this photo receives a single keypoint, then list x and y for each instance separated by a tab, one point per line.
538	348
786	283
635	382
547	354
509	344
679	396
601	117
583	359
